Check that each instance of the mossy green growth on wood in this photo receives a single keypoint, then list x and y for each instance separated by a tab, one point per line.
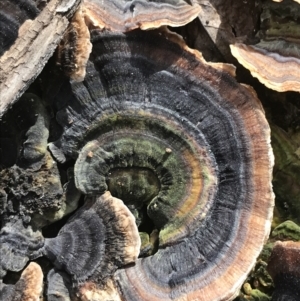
288	230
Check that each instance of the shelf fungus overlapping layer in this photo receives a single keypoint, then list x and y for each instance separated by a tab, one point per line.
18	245
99	238
275	60
275	71
188	151
124	15
75	48
28	288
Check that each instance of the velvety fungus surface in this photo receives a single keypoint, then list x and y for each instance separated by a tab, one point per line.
200	145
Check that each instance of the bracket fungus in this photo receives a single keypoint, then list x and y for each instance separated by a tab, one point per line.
277	72
185	147
75	47
28	288
123	15
99	238
275	60
18	245
172	154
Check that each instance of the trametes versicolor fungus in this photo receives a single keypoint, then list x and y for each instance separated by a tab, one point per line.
186	148
75	47
28	288
17	245
123	16
270	68
275	60
99	238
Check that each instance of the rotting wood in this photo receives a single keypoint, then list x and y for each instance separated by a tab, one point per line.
37	40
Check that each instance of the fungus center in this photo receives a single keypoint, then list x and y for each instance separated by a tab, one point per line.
165	176
135	185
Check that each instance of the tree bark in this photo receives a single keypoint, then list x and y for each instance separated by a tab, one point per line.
37	40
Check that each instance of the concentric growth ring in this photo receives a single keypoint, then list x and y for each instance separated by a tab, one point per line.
156	125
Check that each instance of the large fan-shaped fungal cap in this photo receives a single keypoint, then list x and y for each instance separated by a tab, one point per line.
100	237
122	15
284	267
273	70
29	287
183	144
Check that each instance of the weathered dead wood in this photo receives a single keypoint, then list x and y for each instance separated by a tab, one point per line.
37	40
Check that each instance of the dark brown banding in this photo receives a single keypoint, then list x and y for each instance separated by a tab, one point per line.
18	244
99	238
149	104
